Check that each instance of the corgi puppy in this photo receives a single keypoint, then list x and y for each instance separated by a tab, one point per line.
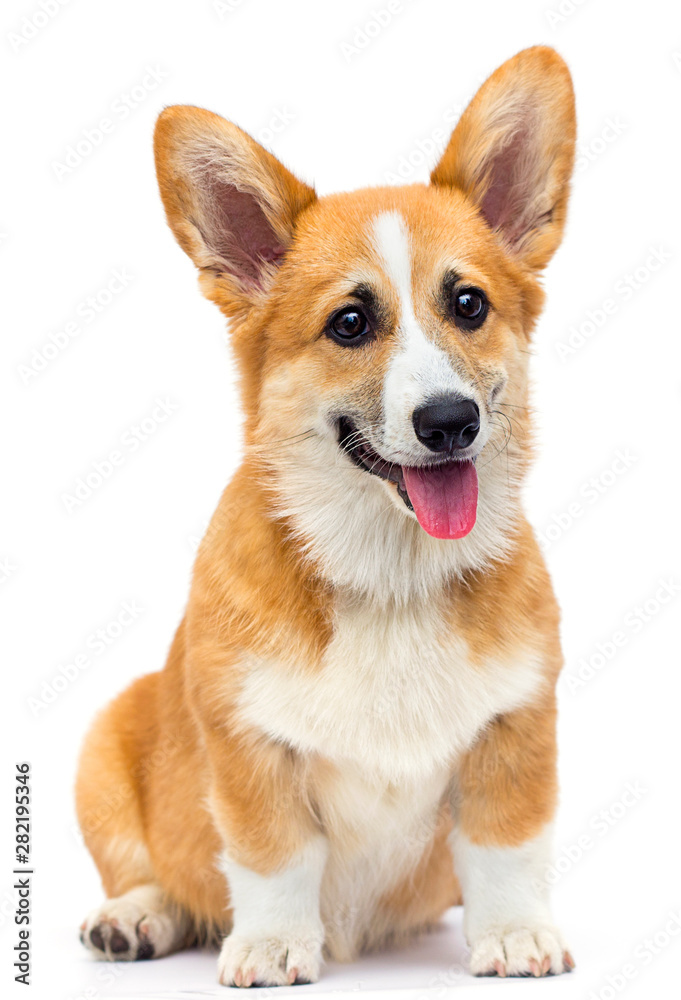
356	725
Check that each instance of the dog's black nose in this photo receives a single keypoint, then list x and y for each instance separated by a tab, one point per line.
447	424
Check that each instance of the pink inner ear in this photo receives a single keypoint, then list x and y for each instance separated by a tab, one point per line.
239	232
507	202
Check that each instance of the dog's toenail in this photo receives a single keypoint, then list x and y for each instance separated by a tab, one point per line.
145	949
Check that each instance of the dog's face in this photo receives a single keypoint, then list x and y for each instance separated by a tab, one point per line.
383	334
394	328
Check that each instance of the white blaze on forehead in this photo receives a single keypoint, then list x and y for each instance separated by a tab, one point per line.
392	243
419	370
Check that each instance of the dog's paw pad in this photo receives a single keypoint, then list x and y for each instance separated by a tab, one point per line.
105	936
274	961
521	951
118	942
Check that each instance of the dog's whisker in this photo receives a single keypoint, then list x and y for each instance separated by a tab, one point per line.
508	434
269	445
517	406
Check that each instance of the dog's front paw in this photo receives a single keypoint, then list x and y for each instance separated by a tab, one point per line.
269	961
520	951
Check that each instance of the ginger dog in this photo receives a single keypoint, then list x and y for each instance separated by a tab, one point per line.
355	728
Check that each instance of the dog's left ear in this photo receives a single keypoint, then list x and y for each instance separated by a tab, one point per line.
512	153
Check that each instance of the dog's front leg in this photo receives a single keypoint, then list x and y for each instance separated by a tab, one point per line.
504	801
277	934
273	860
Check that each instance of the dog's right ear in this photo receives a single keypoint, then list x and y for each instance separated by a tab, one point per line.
231	205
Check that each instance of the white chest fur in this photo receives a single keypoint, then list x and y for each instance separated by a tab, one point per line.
396	693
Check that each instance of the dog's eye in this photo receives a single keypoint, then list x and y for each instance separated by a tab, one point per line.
349	327
470	308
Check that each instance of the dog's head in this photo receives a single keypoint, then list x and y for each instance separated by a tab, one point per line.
383	334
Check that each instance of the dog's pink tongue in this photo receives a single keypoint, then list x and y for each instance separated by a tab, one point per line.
444	498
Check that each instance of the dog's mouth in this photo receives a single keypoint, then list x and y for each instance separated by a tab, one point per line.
443	495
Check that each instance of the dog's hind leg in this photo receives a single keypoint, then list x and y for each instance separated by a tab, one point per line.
138	919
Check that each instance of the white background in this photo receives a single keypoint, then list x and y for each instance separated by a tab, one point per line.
352	119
